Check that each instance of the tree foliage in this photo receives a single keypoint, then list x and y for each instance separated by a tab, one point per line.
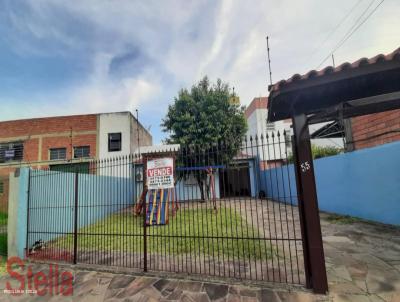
200	119
204	115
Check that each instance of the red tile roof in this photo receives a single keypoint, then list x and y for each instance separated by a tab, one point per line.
395	55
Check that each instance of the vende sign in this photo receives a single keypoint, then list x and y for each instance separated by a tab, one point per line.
160	173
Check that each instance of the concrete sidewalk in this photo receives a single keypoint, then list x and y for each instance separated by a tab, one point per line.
363	264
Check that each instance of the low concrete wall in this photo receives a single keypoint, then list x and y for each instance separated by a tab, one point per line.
364	183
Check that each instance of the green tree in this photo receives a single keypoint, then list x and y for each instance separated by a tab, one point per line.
203	117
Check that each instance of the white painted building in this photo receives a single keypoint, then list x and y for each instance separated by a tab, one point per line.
118	134
272	148
256	115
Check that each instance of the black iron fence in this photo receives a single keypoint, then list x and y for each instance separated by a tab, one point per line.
229	214
4	184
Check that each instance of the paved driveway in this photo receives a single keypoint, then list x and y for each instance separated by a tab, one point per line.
363	263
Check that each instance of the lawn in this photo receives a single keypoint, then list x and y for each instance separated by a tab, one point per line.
189	231
3	265
3	253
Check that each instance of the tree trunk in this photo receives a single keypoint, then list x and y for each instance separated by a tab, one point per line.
200	182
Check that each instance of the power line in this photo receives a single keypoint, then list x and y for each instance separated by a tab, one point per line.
352	30
356	22
333	31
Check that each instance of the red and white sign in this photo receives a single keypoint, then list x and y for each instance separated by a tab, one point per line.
160	173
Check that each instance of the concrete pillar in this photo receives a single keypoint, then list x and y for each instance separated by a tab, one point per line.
17	212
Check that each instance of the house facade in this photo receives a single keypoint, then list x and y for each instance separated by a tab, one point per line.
270	151
55	142
256	114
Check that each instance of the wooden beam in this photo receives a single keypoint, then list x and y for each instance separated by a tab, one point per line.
308	203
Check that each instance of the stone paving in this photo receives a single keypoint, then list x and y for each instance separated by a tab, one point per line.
362	259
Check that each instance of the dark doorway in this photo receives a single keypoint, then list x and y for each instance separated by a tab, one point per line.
234	181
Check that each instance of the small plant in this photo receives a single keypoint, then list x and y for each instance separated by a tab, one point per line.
342	219
319	151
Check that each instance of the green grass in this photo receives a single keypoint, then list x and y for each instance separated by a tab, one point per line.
342	219
189	231
3	218
3	267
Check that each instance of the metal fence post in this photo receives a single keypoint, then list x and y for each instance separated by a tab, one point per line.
308	203
76	219
144	216
27	216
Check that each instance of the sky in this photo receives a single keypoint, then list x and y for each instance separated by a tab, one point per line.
92	56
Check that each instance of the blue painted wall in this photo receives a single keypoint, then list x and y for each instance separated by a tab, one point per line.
364	183
52	202
279	184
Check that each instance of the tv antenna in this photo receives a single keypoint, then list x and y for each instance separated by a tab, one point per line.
269	62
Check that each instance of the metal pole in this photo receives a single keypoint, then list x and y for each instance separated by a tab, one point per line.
76	219
27	219
144	215
308	202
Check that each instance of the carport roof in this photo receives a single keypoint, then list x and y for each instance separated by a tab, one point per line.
362	87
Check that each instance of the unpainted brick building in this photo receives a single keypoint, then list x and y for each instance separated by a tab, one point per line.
54	142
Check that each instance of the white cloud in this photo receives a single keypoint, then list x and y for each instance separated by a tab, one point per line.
180	41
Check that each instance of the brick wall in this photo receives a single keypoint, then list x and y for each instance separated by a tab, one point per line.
39	135
48	125
68	143
4	176
4	195
367	129
256	103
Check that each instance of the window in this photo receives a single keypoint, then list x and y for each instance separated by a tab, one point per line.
81	151
11	151
58	153
1	187
114	142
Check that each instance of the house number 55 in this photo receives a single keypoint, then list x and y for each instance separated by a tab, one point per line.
305	166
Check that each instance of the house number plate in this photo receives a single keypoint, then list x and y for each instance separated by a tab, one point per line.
305	166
